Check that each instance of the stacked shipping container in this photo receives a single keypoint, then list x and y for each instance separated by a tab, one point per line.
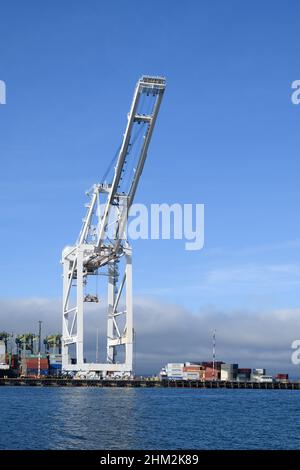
193	372
35	365
284	378
175	371
244	375
55	362
229	372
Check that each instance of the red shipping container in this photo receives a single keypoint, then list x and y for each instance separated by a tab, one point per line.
36	361
194	368
282	376
211	374
210	364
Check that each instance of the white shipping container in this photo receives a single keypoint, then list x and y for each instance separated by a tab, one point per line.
191	376
226	375
265	379
175	365
175	368
259	371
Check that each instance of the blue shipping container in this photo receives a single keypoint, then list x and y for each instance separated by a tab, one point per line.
55	372
55	366
36	372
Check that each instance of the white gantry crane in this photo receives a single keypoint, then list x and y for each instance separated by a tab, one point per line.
102	243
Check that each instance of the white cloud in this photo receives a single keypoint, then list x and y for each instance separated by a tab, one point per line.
257	274
166	332
254	249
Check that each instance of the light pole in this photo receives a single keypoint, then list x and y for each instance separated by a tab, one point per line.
39	359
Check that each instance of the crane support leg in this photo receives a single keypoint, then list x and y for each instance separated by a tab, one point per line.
129	310
79	294
65	325
120	322
111	294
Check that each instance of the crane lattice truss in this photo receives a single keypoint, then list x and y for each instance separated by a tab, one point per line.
102	243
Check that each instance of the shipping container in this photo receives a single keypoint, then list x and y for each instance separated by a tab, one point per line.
54	371
282	376
209	364
55	363
193	368
36	372
262	378
243	377
229	367
228	372
33	362
33	356
174	370
226	376
55	366
56	357
191	376
211	374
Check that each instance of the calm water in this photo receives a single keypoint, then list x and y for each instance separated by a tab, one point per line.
82	418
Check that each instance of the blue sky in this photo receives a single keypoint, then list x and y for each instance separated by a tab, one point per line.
227	136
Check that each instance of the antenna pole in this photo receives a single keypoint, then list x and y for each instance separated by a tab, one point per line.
40	335
214	351
97	345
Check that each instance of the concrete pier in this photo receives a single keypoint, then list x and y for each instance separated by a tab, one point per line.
145	383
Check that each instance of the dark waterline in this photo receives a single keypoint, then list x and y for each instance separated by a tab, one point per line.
83	418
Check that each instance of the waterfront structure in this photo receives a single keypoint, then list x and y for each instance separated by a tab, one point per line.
102	249
174	370
25	344
53	344
218	371
229	371
193	371
244	375
3	365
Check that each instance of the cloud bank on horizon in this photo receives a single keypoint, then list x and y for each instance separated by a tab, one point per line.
167	332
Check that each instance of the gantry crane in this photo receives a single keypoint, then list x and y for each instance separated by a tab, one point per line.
53	344
4	336
25	343
102	243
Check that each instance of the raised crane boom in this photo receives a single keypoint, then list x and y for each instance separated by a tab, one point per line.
149	86
102	241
